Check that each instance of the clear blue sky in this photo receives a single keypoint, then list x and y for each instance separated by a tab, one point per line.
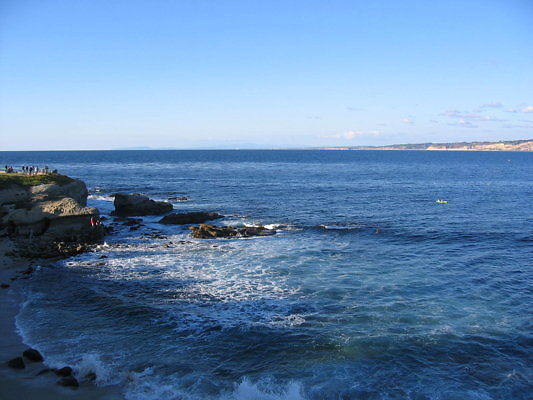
103	74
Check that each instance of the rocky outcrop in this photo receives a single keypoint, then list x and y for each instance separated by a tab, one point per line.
48	218
33	355
128	205
208	231
189	218
16	363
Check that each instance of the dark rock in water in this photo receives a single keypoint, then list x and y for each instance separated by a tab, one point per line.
91	376
33	355
65	371
4	285
132	221
207	231
16	363
28	271
69	381
154	236
189	218
46	370
138	204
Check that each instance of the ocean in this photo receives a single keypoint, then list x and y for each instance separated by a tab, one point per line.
369	290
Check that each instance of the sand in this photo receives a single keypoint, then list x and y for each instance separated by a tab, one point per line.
25	384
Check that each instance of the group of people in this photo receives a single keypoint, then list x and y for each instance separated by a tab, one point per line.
30	170
33	170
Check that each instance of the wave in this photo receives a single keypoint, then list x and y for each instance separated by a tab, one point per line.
147	385
100	197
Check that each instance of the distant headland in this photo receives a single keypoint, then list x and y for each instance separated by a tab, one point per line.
514	145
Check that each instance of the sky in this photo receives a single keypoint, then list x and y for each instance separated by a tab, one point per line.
110	74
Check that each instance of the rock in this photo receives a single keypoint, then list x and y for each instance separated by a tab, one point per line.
208	231
16	363
33	355
38	217
69	381
65	371
46	370
138	205
256	231
28	271
132	221
91	376
189	218
4	285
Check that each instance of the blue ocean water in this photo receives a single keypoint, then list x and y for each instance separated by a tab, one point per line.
370	289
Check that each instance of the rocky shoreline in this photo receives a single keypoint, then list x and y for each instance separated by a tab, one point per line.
45	222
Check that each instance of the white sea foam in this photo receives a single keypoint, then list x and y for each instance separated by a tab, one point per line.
248	390
91	363
100	197
146	385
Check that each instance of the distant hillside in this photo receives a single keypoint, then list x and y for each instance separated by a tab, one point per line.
515	145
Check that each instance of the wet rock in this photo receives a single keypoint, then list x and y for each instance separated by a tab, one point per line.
138	205
33	355
208	231
189	218
91	376
68	381
65	371
46	370
28	271
132	221
16	363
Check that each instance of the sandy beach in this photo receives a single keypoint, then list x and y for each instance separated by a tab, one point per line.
26	384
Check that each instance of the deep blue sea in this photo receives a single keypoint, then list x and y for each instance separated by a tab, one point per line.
370	289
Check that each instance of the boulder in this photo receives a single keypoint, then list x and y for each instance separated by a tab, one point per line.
55	219
45	213
16	363
75	189
33	355
69	381
189	218
138	205
208	231
65	371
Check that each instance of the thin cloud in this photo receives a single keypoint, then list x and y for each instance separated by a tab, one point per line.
469	116
408	121
354	134
464	124
492	105
526	110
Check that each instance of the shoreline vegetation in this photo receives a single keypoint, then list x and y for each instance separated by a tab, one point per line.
513	145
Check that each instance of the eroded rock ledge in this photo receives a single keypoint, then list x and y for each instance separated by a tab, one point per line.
208	231
49	219
134	204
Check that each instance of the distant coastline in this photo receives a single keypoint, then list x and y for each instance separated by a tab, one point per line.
514	145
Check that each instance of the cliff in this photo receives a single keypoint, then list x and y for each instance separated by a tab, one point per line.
515	145
46	215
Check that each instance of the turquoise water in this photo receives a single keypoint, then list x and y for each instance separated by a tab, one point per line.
370	289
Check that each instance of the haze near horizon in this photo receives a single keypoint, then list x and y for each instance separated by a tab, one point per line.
229	74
